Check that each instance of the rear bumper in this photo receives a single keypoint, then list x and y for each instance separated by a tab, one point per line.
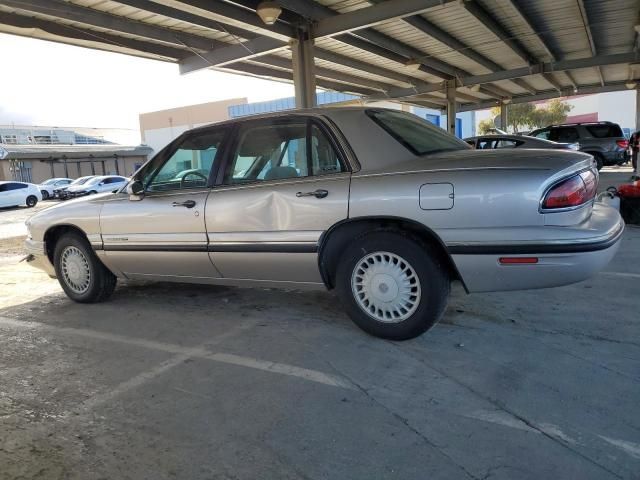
37	257
560	261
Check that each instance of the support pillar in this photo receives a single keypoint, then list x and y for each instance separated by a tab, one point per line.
503	117
53	173
304	75
451	106
637	172
117	165
66	167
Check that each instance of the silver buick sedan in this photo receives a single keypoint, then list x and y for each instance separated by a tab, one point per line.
377	204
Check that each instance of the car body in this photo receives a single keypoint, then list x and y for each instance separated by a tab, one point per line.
604	140
48	187
378	204
97	184
499	141
62	191
15	194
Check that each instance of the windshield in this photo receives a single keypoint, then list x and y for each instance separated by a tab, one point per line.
50	181
417	135
80	181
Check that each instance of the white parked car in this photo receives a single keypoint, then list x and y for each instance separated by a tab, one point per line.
100	184
15	194
48	186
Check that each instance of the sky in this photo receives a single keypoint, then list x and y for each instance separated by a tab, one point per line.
46	83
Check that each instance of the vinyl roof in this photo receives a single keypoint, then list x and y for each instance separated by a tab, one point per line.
522	50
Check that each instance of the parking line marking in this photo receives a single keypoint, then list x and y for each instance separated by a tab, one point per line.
501	418
191	352
630	448
137	381
622	274
281	368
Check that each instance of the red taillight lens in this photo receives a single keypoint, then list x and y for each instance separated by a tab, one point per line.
623	143
572	192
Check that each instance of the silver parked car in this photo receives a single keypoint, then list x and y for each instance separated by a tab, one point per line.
377	204
488	142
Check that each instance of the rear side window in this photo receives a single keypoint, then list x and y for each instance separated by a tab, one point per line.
564	135
604	131
417	135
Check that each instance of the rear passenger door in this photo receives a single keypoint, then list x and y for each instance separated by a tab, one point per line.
285	183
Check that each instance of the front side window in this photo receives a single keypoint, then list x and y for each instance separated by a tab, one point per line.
503	143
417	135
188	166
282	150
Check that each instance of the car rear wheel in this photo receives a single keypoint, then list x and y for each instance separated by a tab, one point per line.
32	200
45	195
393	285
81	274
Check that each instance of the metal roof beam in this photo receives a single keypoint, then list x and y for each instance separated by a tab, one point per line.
242	17
542	68
219	57
66	31
275	61
178	14
374	41
587	29
475	9
370	16
96	18
365	67
565	92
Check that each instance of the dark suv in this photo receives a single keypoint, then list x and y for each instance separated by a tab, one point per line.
604	140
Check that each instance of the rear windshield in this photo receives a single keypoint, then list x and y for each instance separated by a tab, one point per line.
604	131
419	136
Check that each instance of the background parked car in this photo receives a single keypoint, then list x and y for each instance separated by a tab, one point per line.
62	192
48	187
604	140
99	184
15	194
483	142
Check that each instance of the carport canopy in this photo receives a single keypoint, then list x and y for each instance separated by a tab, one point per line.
456	55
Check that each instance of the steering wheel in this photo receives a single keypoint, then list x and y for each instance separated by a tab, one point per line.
195	174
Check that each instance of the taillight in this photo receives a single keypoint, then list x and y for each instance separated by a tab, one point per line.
623	143
572	192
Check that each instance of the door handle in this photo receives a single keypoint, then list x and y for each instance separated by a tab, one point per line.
316	193
186	203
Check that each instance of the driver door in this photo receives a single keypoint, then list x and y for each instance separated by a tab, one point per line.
163	234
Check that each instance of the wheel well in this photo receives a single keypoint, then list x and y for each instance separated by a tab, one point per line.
334	241
52	235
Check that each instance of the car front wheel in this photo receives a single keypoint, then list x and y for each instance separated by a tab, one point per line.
81	274
45	194
392	284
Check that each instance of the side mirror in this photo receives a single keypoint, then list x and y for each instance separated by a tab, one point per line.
135	190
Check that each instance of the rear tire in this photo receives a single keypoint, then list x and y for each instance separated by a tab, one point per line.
45	195
81	274
392	285
598	158
32	201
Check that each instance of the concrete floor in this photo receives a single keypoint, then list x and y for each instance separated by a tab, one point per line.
193	382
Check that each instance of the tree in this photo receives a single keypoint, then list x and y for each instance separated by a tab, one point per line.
527	116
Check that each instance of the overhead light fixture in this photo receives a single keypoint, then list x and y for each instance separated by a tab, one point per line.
475	88
268	12
413	64
506	101
575	89
631	84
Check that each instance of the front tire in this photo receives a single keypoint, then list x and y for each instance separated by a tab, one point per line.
81	274
45	195
392	284
32	201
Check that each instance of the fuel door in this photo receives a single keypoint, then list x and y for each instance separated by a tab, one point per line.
436	196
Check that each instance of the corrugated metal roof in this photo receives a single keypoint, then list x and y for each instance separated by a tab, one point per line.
473	38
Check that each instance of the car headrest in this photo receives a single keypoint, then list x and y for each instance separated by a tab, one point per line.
280	172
